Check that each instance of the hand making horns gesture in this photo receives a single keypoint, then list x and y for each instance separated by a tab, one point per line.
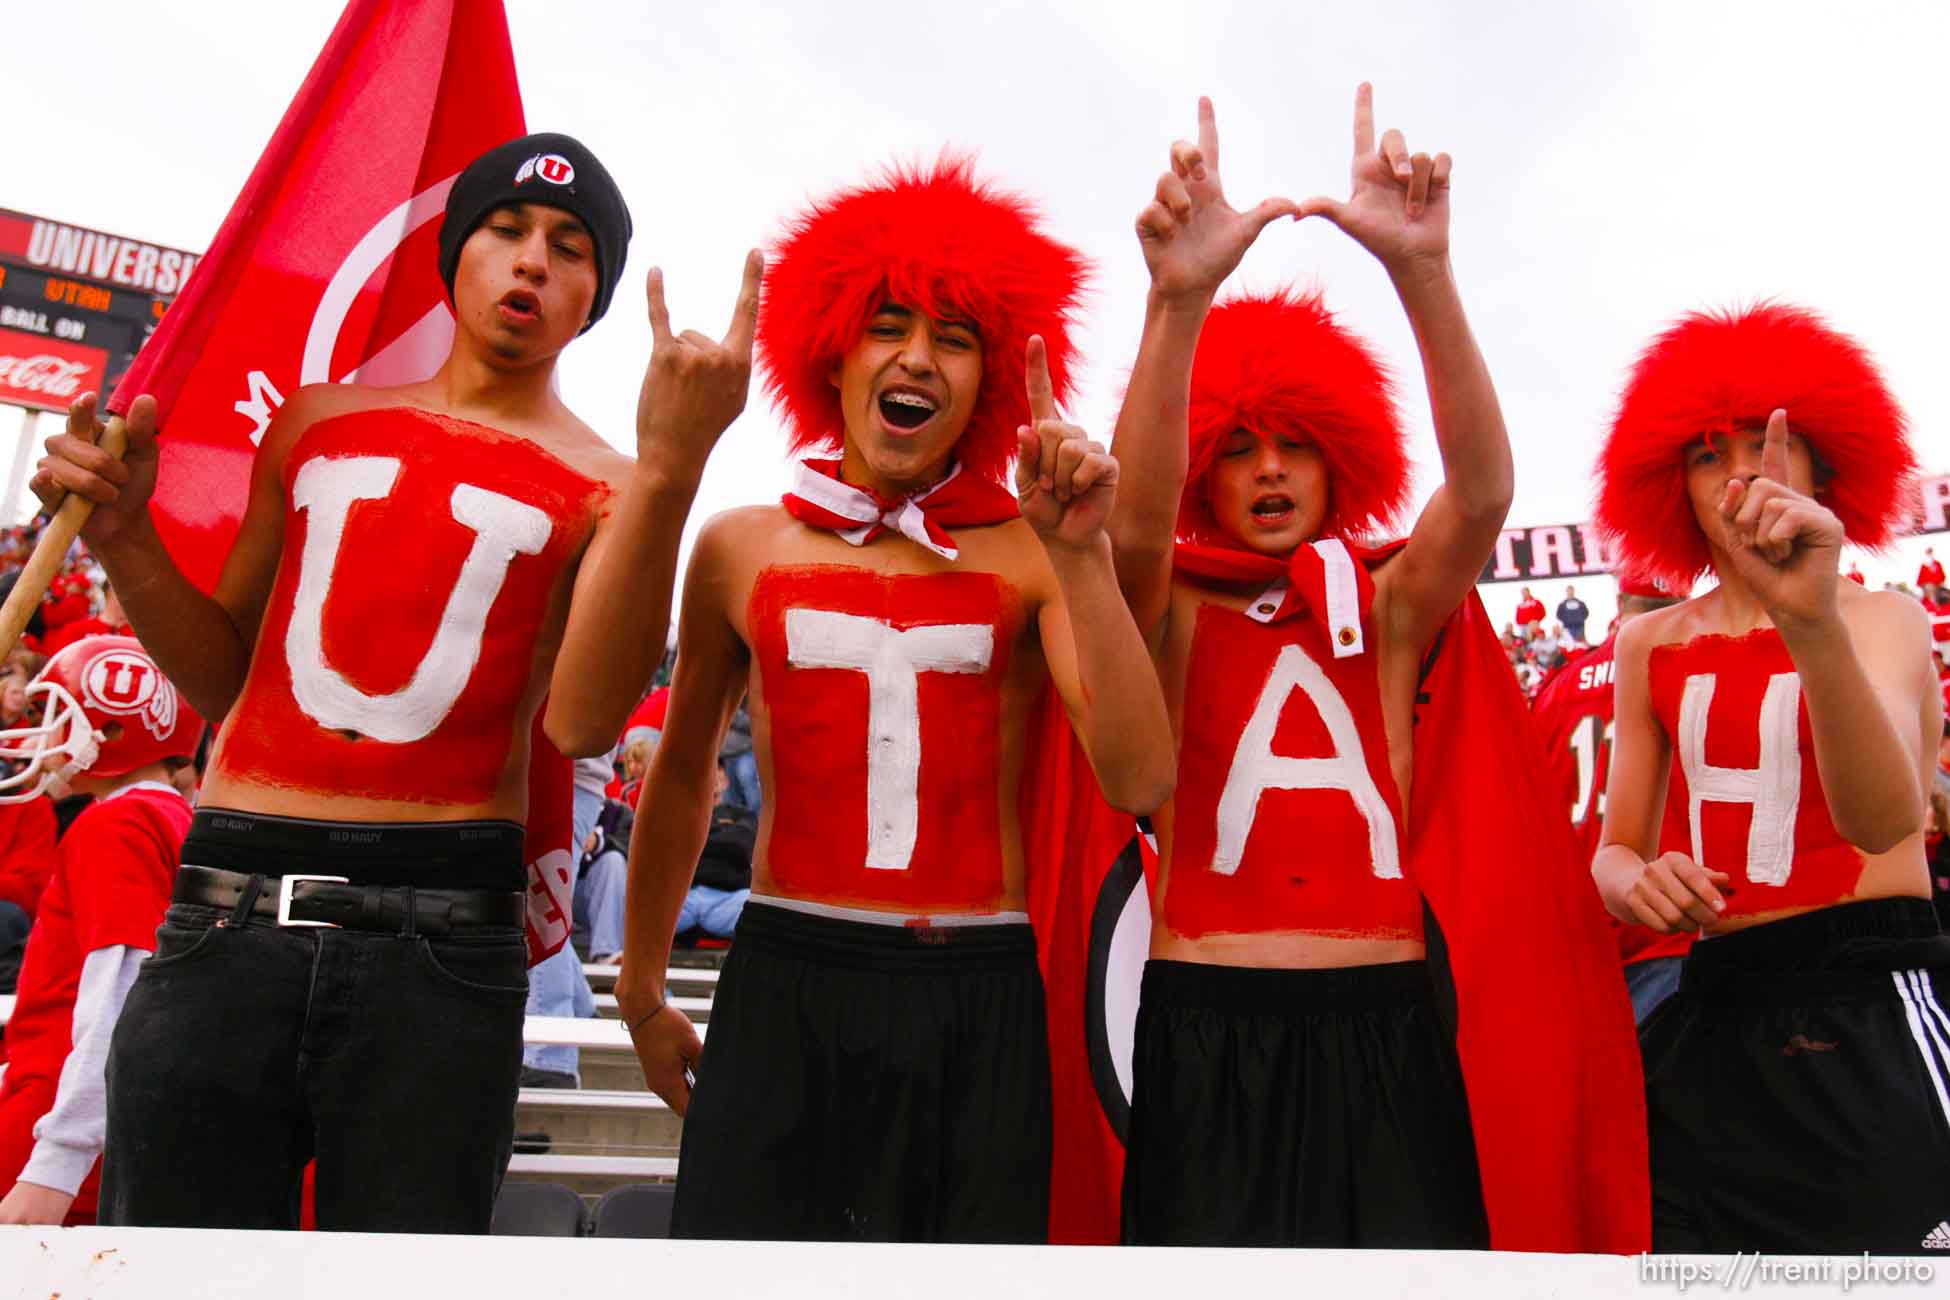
1191	236
1399	209
695	386
1066	483
1785	546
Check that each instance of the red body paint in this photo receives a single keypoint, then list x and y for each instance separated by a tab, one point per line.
398	562
1826	866
1307	864
819	738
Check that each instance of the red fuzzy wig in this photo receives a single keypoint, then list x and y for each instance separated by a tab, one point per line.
1717	372
940	241
1280	363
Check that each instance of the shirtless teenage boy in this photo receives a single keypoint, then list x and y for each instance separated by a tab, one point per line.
1289	1048
382	636
877	1064
1798	1083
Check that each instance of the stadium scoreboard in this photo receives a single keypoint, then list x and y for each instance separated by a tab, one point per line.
76	305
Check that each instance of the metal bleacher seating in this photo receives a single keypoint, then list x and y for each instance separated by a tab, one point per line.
638	1210
538	1210
612	1142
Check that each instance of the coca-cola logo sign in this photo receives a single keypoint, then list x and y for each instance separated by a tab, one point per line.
47	373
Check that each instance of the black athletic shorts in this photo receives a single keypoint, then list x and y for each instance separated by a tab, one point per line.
865	1082
1298	1108
1798	1087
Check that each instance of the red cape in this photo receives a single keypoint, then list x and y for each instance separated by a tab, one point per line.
1549	1052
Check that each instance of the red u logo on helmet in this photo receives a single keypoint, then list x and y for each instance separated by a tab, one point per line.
124	681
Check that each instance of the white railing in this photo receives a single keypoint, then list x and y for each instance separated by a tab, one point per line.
113	1263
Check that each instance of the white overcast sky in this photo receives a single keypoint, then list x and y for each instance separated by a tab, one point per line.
1615	164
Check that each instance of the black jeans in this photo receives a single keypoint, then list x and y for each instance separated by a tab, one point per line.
245	1051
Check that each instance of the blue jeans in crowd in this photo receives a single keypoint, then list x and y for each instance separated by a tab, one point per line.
1651	982
557	986
714	911
599	903
742	771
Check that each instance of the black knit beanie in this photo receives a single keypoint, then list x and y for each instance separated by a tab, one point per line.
556	171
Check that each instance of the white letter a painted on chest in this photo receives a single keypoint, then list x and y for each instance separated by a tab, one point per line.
893	661
1257	769
327	489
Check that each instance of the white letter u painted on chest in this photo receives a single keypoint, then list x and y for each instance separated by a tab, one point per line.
893	661
326	489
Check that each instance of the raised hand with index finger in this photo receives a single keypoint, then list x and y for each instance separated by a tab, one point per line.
1191	236
694	386
1398	208
1783	544
1066	484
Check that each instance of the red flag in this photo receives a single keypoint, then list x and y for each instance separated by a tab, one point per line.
326	270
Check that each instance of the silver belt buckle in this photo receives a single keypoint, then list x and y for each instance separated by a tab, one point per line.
285	885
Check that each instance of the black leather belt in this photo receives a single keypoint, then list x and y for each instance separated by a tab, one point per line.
331	901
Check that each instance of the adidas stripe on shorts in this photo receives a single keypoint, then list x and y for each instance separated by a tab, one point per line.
1798	1087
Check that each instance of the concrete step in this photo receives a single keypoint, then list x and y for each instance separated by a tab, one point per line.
698	1009
592	1175
695	981
588	1121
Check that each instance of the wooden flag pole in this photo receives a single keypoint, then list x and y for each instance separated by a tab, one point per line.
52	547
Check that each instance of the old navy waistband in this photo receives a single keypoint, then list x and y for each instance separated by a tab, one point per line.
484	855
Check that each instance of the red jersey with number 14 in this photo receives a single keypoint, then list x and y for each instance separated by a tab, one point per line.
1573	713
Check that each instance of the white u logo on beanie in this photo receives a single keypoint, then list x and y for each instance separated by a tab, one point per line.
551	167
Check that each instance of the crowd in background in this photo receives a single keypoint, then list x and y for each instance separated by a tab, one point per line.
1540	642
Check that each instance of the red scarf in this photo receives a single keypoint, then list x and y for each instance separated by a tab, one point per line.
1322	577
820	498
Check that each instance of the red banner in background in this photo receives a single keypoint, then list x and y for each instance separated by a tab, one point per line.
47	373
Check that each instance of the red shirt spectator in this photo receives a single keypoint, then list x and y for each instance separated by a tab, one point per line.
649	714
68	633
1530	610
1573	716
1854	575
1931	573
1939	617
27	852
105	900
